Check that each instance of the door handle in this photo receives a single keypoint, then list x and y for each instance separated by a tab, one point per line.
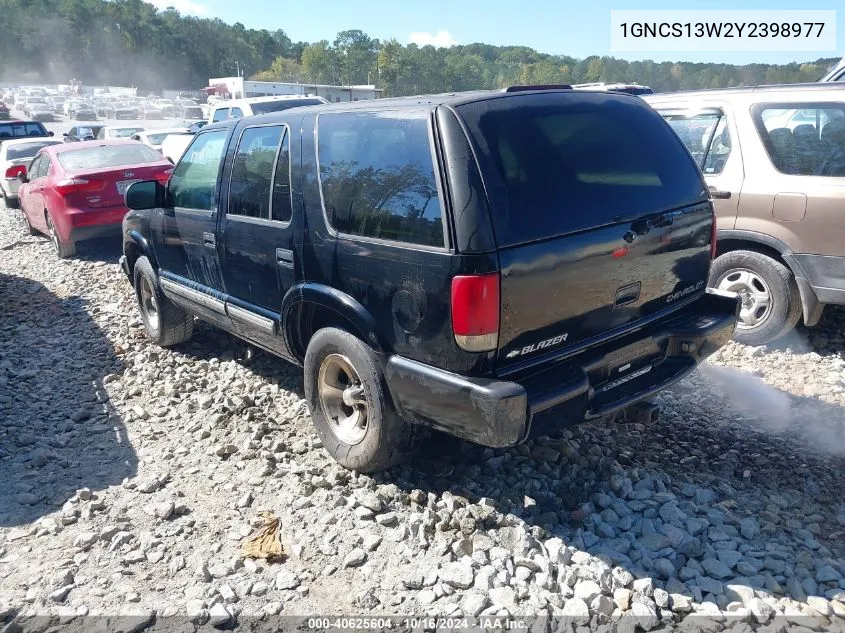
208	240
284	257
719	195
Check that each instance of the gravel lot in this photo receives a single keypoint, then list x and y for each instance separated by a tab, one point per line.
131	475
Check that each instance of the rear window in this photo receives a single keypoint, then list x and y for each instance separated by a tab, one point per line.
26	150
563	162
157	139
283	104
105	156
17	130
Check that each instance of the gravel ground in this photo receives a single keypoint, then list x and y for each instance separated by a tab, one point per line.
131	474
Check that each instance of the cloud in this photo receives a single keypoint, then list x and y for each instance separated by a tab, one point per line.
185	7
442	39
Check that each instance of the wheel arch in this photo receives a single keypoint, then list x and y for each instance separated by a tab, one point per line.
135	246
310	307
733	240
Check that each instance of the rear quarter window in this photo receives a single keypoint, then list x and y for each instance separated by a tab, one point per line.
377	176
561	162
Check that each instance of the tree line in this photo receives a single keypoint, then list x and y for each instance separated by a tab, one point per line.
122	42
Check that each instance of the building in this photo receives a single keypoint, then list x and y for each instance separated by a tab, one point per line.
240	88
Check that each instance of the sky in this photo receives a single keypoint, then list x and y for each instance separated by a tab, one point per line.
561	27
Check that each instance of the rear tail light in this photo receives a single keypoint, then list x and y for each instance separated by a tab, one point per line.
78	185
15	171
475	311
163	176
713	239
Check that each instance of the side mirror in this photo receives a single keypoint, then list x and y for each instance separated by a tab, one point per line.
23	177
50	133
147	194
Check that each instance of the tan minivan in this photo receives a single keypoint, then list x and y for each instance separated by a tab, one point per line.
774	158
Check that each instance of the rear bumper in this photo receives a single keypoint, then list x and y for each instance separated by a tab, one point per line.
597	382
77	225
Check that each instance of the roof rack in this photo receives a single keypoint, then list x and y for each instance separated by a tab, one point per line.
538	87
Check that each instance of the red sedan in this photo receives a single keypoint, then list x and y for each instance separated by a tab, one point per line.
74	192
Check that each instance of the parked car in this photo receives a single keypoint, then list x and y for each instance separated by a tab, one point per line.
75	192
4	112
837	73
31	102
491	264
118	131
15	157
40	111
82	133
237	108
174	145
192	112
58	105
10	130
150	111
167	107
82	111
774	159
154	138
123	110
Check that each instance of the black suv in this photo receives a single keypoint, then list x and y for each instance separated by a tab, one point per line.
489	264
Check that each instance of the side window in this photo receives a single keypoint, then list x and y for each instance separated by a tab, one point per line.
220	115
707	138
252	172
236	113
194	181
803	139
377	176
282	206
34	166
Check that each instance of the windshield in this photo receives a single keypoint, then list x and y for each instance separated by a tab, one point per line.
283	104
26	150
107	156
569	161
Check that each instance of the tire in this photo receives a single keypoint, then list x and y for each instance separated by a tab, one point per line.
166	323
63	249
11	203
754	276
382	438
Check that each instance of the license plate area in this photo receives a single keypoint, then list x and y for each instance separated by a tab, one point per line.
123	185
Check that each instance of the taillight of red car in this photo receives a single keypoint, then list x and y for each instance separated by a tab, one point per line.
15	171
70	186
163	176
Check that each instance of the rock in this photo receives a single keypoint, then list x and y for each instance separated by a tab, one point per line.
286	579
644	587
819	604
716	568
371	542
413	580
426	596
749	528
586	590
355	558
474	603
654	541
664	567
680	603
644	615
457	575
760	610
227	593
622	598
504	597
372	502
259	589
387	519
602	605
708	585
220	616
60	594
576	608
85	540
661	598
826	573
739	593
